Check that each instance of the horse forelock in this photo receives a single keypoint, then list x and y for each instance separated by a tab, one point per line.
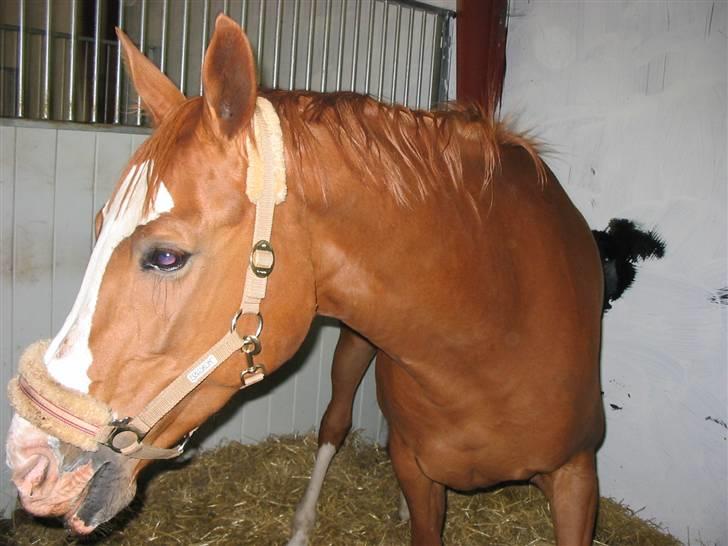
161	149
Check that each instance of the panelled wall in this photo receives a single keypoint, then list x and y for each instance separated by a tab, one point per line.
53	179
631	99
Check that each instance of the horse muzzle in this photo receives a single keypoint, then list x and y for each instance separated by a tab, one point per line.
55	479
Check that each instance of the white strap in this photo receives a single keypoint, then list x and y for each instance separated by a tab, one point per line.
270	142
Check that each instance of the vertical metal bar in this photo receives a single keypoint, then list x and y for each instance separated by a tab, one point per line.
342	34
355	51
443	68
277	45
165	23
408	64
309	49
421	60
62	85
244	14
126	93
97	54
203	35
294	44
38	76
325	56
142	47
107	71
395	59
20	83
261	29
185	37
117	83
435	36
84	80
45	112
383	51
2	74
370	33
72	60
226	6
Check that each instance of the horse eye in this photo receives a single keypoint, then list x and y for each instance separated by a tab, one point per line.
165	259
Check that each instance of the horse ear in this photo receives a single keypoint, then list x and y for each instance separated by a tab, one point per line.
228	79
159	95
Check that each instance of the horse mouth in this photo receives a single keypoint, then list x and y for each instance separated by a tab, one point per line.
108	492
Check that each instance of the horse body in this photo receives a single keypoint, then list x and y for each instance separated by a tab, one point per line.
486	320
487	317
441	238
492	375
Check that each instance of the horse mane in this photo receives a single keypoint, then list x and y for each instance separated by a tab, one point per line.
419	153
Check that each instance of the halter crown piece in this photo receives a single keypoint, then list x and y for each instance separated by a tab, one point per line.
85	422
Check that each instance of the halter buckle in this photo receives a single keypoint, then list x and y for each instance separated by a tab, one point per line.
258	269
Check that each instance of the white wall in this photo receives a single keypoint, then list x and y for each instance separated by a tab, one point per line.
632	98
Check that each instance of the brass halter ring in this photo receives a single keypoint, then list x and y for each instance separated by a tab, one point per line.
236	317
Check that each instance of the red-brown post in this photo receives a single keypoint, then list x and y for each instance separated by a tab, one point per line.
481	50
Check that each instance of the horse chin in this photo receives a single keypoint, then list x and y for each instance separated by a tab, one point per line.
109	491
93	510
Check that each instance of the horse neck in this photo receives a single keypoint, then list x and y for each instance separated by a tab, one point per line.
368	252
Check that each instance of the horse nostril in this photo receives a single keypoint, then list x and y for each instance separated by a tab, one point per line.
33	475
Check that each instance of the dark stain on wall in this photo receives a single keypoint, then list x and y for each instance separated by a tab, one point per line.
720	296
717	421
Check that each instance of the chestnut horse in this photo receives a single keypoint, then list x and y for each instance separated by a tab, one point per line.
446	220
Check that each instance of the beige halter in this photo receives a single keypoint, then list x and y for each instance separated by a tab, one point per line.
80	420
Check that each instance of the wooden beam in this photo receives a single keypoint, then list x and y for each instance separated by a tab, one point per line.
481	51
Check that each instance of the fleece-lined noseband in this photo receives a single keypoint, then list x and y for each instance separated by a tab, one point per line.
85	422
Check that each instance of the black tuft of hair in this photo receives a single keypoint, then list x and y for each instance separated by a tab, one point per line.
621	246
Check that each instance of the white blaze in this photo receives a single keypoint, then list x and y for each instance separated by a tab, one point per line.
68	357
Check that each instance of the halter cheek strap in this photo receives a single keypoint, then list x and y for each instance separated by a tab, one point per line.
59	410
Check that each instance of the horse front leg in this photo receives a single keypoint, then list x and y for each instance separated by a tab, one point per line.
352	357
573	494
425	498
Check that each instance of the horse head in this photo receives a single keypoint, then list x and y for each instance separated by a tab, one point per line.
163	286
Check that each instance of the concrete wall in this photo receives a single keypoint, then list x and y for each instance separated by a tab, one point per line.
631	96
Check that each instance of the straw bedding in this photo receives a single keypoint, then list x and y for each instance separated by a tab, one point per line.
246	494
